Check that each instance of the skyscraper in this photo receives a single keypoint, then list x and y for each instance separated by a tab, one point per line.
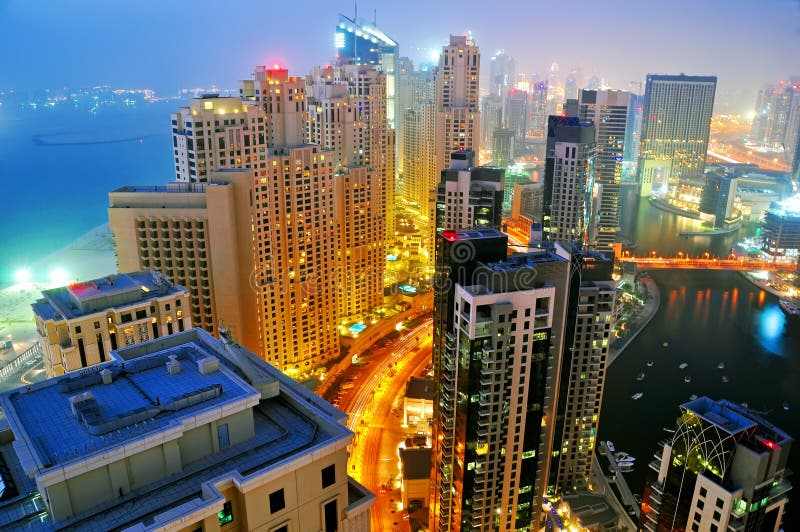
501	74
419	154
568	179
457	86
469	196
494	318
347	115
724	468
675	129
608	111
587	335
275	246
516	116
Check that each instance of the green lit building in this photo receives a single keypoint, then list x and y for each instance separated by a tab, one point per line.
724	469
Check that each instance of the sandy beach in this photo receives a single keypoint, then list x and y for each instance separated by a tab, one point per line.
87	257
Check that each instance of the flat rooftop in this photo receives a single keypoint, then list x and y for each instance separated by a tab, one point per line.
720	414
113	291
289	422
184	188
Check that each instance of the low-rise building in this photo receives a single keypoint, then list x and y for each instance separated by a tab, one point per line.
587	511
185	432
80	324
416	470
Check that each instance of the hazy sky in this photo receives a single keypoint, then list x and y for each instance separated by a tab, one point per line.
169	44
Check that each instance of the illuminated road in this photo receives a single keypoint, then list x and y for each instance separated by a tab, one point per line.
660	263
373	455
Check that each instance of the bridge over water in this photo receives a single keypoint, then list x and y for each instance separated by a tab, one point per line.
686	263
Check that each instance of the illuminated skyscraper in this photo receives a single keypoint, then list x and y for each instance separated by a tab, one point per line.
608	111
502	74
675	129
497	321
516	116
347	115
568	179
587	335
457	86
723	468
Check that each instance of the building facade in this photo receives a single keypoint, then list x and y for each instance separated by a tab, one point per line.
724	468
608	110
80	324
498	327
185	432
675	129
469	196
568	179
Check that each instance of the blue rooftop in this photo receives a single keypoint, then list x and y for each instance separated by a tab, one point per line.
721	414
73	417
79	299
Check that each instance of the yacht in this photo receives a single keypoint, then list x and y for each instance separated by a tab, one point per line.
650	363
786	406
640	377
625	467
622	456
683	365
692	398
687	379
789	307
610	445
721	365
725	378
637	395
665	344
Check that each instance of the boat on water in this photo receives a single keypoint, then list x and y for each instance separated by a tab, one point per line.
637	395
665	344
683	365
625	467
786	406
650	363
691	398
687	379
610	445
745	405
640	377
789	307
721	365
725	378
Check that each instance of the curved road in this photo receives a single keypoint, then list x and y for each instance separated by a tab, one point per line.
371	416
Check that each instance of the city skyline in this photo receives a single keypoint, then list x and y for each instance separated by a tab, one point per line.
764	36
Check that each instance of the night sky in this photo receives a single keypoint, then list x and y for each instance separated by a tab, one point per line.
167	45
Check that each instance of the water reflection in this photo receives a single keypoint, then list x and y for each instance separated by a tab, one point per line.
771	328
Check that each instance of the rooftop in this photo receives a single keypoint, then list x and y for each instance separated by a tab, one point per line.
788	208
67	425
418	388
416	463
114	291
720	414
197	188
591	509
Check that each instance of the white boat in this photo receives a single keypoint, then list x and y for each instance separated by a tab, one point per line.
637	395
621	456
786	406
692	398
683	365
650	363
610	445
687	379
626	467
721	365
789	307
626	458
665	344
640	377
725	378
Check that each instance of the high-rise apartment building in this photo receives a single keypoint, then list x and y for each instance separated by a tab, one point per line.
255	252
675	128
216	132
469	196
538	121
491	119
457	86
347	115
181	433
723	468
419	154
498	324
587	335
568	179
516	116
80	324
633	131
608	111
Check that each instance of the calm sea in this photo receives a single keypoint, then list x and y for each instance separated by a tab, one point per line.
57	166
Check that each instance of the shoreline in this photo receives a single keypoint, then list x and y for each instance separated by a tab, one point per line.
649	310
